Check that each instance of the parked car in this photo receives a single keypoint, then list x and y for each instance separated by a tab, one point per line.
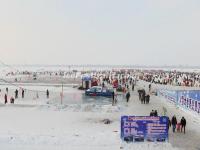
99	91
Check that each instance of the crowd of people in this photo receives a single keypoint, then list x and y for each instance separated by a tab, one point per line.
175	78
171	78
16	93
12	99
128	81
177	126
42	73
143	96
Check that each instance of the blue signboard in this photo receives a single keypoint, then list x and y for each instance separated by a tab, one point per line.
144	128
189	100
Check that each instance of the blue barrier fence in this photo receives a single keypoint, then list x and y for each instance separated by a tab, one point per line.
187	99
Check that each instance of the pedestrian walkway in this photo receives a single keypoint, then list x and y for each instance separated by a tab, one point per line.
188	141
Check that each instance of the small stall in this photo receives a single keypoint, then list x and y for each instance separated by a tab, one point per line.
86	81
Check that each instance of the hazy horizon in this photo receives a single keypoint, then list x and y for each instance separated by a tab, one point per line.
99	65
114	32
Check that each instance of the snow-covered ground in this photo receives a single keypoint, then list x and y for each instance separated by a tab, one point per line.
77	124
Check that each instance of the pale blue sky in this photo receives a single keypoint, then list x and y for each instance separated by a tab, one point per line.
145	32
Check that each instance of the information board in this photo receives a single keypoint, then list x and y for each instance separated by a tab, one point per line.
144	128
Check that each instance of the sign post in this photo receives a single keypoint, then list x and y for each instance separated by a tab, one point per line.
144	128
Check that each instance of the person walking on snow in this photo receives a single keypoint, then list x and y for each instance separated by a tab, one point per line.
143	97
113	98
12	100
133	86
47	93
6	98
155	113
147	97
149	87
127	96
16	94
169	123
152	113
22	93
174	123
183	124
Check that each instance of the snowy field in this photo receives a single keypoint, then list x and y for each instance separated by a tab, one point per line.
38	123
43	123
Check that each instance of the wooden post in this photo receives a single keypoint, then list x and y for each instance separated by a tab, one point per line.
62	95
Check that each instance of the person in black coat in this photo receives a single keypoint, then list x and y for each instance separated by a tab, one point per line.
128	96
174	123
12	100
16	94
147	97
169	123
149	87
183	124
133	86
113	98
140	94
152	113
6	98
143	96
47	93
155	113
22	93
144	99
